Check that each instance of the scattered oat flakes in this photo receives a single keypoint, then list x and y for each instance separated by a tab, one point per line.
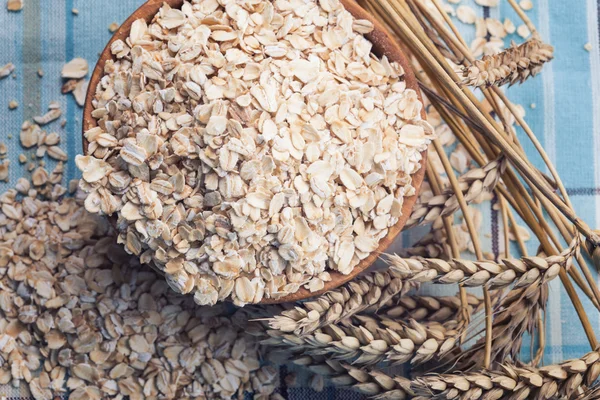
89	318
14	5
509	26
588	46
6	70
459	159
40	72
22	158
77	68
523	31
466	14
523	232
113	27
526	4
13	104
75	11
532	105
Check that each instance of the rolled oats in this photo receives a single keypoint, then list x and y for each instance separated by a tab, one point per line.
247	148
77	68
81	319
6	70
14	5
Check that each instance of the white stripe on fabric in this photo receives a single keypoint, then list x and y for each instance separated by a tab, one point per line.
555	318
593	37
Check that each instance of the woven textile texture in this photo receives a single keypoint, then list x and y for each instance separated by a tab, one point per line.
562	106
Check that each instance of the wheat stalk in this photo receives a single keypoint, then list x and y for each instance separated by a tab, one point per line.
514	64
492	139
509	381
472	184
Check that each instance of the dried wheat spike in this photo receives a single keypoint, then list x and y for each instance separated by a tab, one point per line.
515	64
369	340
522	272
563	380
472	184
516	314
369	290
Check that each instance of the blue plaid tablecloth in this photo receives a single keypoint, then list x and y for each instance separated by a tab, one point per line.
562	106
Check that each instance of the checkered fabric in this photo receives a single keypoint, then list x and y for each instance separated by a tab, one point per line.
562	106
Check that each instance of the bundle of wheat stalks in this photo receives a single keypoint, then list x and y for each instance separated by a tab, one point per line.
348	334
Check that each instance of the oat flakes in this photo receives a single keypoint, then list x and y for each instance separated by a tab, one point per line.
250	148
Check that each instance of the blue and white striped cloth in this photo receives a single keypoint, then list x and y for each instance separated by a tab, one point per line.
566	117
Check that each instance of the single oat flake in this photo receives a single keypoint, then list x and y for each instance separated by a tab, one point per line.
248	154
75	69
14	5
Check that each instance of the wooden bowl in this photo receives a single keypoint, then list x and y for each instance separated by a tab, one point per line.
383	44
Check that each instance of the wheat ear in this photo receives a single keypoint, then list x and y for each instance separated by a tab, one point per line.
369	340
472	184
514	64
374	289
517	313
509	381
522	272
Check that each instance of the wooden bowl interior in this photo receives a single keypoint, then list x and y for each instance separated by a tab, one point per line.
383	44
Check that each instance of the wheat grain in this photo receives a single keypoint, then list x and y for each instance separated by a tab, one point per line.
472	184
513	65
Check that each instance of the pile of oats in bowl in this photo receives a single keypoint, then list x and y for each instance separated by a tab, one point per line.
250	147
